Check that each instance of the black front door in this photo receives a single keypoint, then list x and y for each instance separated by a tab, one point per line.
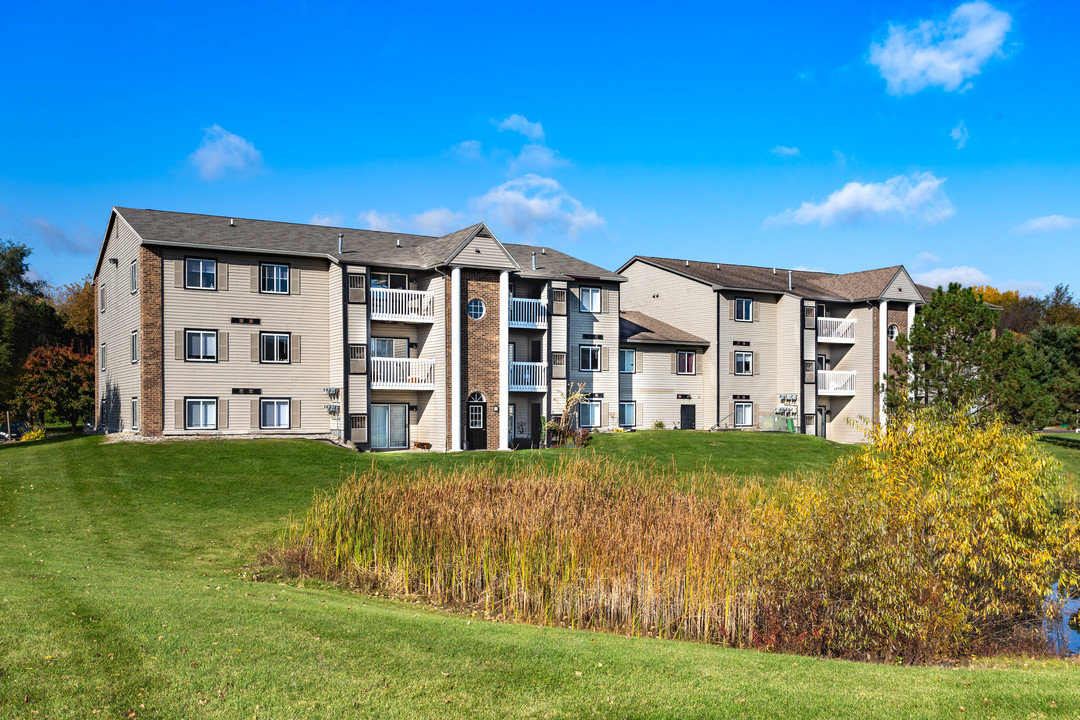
477	435
688	417
534	423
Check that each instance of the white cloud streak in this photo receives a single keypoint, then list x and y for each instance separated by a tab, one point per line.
960	134
532	203
538	159
966	276
329	220
941	53
222	154
783	151
1046	224
919	197
79	241
926	258
519	124
468	150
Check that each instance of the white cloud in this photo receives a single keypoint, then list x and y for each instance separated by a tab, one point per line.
531	203
1046	224
1025	287
782	151
437	221
32	276
468	150
966	276
918	197
941	53
926	258
841	157
960	134
331	220
536	158
518	123
222	153
375	220
80	240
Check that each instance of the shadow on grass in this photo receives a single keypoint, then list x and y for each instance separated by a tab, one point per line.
1065	440
55	439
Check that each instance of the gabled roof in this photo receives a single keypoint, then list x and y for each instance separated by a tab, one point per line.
637	327
862	285
555	265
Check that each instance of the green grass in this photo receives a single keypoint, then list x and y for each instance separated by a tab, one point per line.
1066	448
122	587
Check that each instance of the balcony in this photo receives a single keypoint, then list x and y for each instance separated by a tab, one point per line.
526	313
391	305
528	377
402	374
836	330
836	382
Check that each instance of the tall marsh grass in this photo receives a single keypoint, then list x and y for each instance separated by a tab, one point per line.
935	542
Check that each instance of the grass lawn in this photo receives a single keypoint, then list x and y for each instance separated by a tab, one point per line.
1066	448
122	588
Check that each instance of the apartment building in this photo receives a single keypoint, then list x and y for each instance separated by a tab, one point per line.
721	346
226	326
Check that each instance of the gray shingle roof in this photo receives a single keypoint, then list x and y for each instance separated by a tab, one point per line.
862	285
637	327
555	265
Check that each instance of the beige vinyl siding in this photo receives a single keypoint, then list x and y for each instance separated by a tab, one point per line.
357	319
602	323
903	288
761	333
557	333
484	252
121	379
811	349
860	358
304	314
655	388
686	304
431	406
789	324
336	348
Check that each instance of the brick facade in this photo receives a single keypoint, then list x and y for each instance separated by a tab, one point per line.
151	330
480	348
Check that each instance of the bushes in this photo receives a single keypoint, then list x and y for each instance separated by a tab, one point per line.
932	543
37	433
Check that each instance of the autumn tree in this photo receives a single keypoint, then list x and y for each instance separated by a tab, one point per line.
57	382
74	303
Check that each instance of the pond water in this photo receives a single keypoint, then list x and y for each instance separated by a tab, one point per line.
1068	637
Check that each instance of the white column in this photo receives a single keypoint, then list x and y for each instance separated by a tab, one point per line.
883	354
504	357
455	359
911	375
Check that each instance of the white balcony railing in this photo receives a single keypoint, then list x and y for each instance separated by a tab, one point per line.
402	374
836	382
528	376
402	305
837	330
526	313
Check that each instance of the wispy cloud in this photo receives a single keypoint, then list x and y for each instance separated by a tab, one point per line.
533	203
783	151
960	135
437	221
222	154
518	123
1046	224
919	197
941	53
538	159
79	240
468	150
926	258
329	220
966	276
375	220
1025	287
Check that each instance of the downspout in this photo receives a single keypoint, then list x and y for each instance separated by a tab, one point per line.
455	359
343	413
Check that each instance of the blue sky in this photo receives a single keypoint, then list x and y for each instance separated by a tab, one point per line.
828	136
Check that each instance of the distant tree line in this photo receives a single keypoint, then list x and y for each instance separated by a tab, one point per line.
46	344
979	349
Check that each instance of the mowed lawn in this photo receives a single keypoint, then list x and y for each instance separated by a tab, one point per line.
123	589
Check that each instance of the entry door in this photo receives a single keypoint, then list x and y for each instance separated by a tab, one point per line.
477	435
688	417
390	426
821	421
534	423
535	357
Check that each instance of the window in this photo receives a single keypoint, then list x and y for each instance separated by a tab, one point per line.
476	417
821	310
134	413
358	422
744	363
274	413
744	414
627	414
134	278
274	347
382	347
396	281
200	345
626	361
590	358
357	282
476	308
102	356
893	331
274	278
589	414
200	274
744	309
809	372
590	300
558	365
101	298
134	346
200	413
357	359
511	417
686	362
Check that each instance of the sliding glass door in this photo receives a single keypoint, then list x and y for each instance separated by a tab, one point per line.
390	426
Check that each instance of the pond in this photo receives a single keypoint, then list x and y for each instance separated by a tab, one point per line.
1068	637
